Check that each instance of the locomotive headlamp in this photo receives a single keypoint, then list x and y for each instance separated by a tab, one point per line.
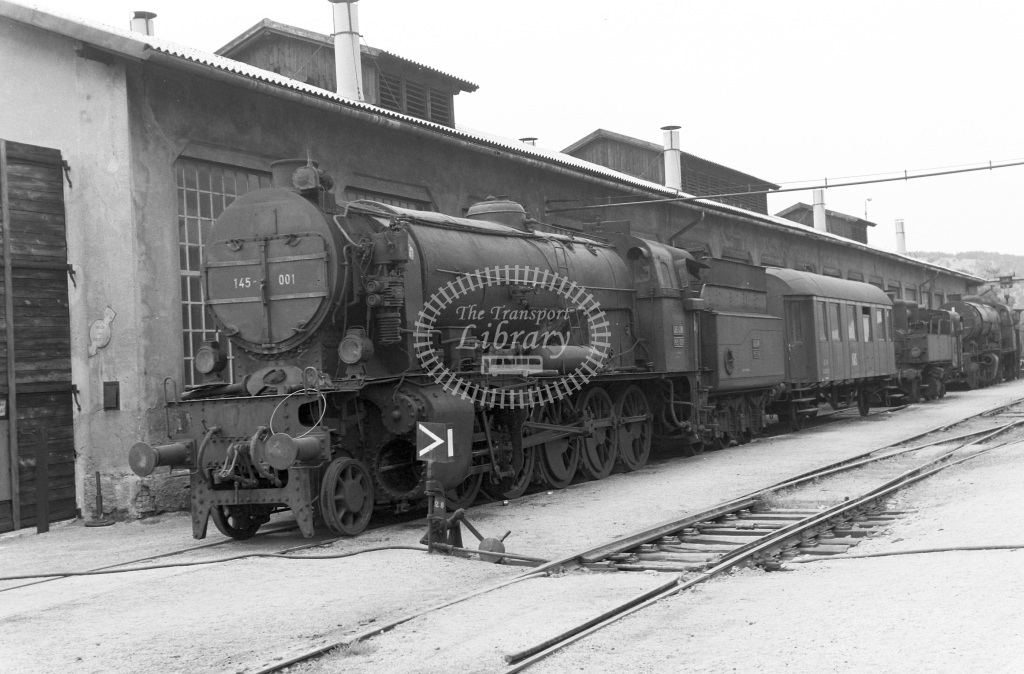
209	358
305	178
355	347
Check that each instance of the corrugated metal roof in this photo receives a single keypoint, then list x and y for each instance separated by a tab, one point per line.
134	45
270	26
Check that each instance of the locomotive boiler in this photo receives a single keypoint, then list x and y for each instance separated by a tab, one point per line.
991	351
344	325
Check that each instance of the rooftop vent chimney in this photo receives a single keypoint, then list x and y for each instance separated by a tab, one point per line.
347	63
142	22
673	155
901	238
819	211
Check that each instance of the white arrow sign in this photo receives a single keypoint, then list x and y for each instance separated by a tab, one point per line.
438	440
431	443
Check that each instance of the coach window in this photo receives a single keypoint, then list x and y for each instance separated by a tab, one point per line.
890	334
851	322
794	323
880	324
865	320
820	319
835	321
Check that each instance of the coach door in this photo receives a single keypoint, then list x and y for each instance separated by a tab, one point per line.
37	451
796	335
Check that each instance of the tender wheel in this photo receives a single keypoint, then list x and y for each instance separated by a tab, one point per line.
933	386
942	388
598	452
721	441
346	496
558	459
863	401
636	428
240	522
465	493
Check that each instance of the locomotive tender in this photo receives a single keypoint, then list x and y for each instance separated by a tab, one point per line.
546	354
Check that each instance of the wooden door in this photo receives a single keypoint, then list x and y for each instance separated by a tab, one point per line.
35	341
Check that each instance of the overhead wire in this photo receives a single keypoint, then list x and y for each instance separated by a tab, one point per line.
905	176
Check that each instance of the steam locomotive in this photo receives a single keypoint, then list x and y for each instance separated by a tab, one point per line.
544	354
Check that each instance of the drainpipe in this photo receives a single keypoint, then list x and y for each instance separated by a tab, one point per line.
142	22
901	238
348	67
673	157
819	211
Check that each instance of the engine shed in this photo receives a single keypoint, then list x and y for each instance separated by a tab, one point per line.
154	139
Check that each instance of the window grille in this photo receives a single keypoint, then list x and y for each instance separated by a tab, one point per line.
204	191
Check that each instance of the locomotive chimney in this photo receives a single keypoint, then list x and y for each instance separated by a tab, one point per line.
901	238
819	211
673	165
347	62
142	22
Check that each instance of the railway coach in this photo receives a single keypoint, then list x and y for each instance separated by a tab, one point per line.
839	343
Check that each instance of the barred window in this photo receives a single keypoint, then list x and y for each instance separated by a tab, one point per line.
204	191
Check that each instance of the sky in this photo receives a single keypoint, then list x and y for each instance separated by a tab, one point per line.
793	92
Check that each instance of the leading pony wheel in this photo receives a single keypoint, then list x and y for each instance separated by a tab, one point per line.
346	496
240	522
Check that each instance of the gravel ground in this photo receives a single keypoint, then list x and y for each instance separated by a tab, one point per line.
240	615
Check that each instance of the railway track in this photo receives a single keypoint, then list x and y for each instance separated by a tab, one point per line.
757	529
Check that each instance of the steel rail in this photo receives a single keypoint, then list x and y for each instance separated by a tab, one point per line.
598	552
747	552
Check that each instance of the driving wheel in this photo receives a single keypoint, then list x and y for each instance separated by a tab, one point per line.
598	452
636	427
558	459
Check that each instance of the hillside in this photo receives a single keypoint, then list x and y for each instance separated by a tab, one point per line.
986	265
